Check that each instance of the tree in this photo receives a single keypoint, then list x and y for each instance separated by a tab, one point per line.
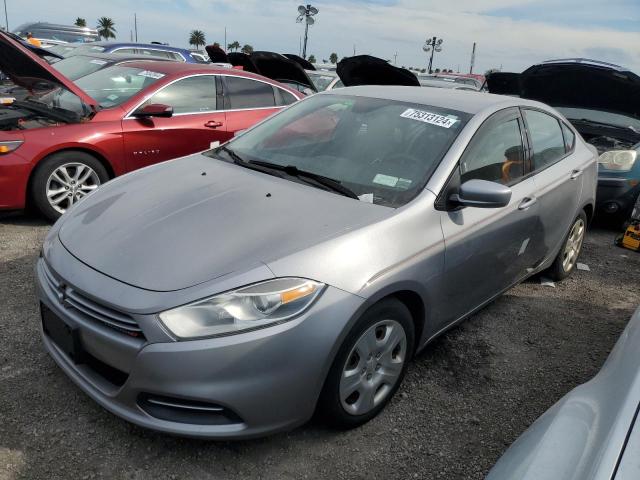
106	28
437	70
312	59
197	38
333	58
325	61
248	49
234	46
81	22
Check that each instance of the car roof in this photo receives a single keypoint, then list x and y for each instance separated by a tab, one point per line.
471	102
120	57
584	61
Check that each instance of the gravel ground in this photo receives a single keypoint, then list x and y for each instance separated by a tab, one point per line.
464	400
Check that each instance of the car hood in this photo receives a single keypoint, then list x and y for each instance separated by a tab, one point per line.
367	70
278	67
305	64
27	70
575	84
150	230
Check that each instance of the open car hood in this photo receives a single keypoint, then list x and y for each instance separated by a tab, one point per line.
305	64
278	67
368	70
216	54
574	83
27	70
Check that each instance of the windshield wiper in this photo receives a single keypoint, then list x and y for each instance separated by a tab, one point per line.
294	171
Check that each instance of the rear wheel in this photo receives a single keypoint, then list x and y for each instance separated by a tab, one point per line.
369	366
64	178
567	258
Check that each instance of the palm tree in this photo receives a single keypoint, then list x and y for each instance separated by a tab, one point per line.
197	38
312	59
81	22
235	46
106	28
333	58
248	49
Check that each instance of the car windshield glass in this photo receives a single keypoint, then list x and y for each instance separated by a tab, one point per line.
88	48
63	49
79	66
619	120
321	81
382	150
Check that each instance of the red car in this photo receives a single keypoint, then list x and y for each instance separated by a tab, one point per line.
58	146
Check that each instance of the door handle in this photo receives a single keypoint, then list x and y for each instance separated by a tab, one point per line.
575	174
213	124
527	202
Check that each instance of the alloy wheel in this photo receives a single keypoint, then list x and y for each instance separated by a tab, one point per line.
574	245
373	367
69	183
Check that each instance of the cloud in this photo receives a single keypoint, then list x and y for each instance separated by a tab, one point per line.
509	33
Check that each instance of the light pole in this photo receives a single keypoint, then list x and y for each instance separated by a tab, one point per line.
306	14
432	45
6	17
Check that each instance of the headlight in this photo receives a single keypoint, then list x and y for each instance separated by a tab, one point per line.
9	146
618	160
247	308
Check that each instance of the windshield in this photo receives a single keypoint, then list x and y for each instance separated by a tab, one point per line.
63	49
382	150
88	48
320	80
79	66
619	120
109	87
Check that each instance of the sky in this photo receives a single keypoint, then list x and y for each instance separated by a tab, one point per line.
510	34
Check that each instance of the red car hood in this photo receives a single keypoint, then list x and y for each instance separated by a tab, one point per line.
27	70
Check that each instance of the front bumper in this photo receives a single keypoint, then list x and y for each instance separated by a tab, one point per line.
14	177
616	194
258	382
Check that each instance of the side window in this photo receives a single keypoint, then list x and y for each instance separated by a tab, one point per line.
283	97
247	93
569	138
546	138
189	95
126	50
495	153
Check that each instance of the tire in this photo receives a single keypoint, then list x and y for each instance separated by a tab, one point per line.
561	269
349	410
71	190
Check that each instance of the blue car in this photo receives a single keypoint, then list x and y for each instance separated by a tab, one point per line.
138	49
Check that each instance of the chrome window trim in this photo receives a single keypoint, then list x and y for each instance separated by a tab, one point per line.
152	49
147	97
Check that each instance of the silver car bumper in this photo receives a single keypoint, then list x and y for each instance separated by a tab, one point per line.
231	387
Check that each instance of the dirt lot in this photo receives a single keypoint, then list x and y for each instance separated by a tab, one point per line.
465	398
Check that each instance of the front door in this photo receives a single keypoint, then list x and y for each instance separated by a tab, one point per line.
487	250
196	123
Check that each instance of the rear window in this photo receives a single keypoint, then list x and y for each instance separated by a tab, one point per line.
569	137
247	93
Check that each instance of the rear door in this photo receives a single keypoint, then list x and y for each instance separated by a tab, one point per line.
557	175
488	250
248	101
196	122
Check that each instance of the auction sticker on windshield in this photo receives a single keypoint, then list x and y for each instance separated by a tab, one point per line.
428	117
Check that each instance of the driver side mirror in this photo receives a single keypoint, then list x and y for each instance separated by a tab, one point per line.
154	110
482	194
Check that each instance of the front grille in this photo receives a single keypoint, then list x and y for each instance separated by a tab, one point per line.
91	310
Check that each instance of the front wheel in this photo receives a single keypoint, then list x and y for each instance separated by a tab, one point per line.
369	366
567	258
63	179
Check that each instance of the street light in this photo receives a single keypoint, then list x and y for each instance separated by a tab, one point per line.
432	45
6	17
306	14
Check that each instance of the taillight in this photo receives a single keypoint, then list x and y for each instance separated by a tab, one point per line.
10	146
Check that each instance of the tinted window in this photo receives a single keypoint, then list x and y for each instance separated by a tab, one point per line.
495	153
189	95
246	93
569	138
546	137
286	98
382	150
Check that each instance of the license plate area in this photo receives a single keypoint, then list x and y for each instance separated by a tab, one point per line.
66	337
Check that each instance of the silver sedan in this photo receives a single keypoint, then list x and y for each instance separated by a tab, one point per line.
300	266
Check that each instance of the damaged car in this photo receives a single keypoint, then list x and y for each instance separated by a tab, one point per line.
602	101
68	138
